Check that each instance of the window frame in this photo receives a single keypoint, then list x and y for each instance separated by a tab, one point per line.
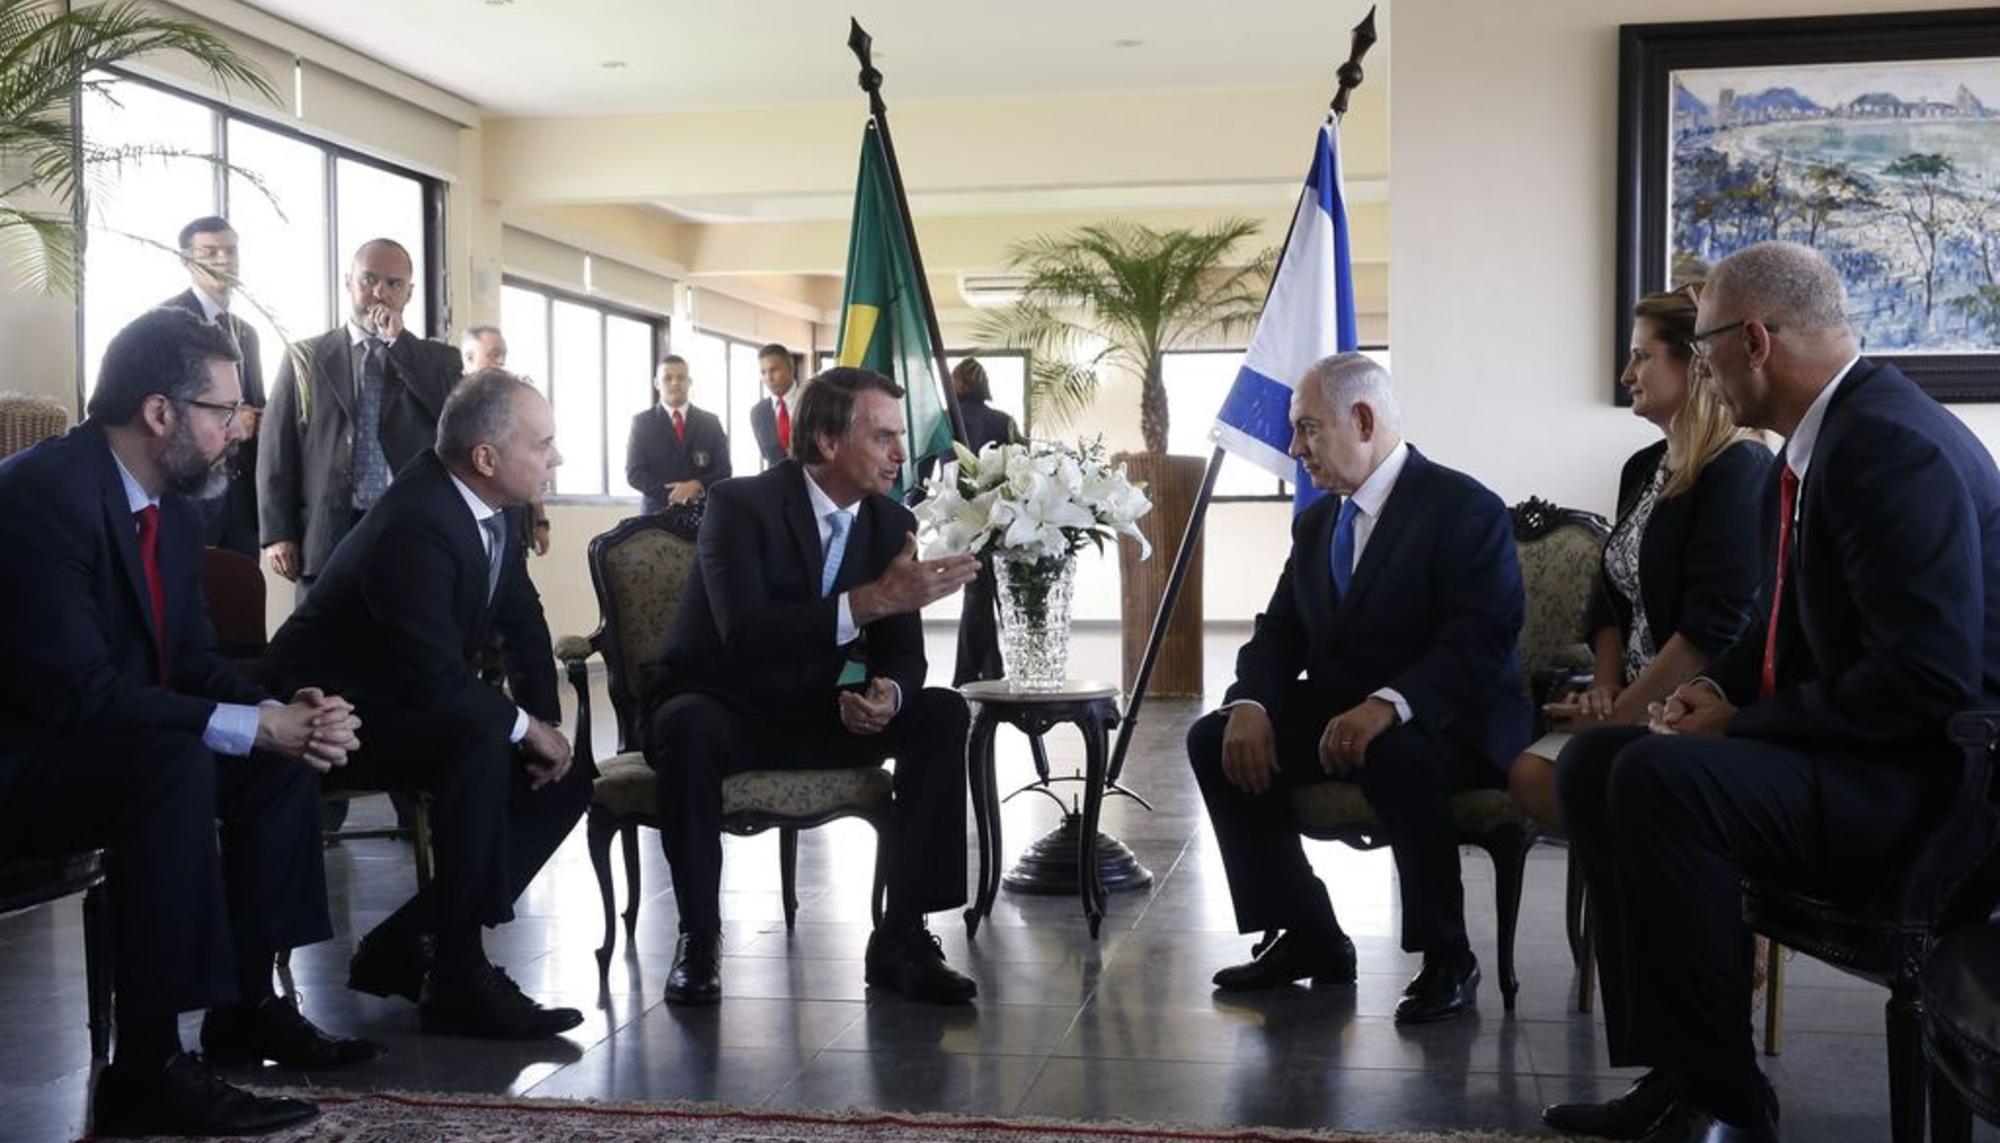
660	325
1284	493
431	187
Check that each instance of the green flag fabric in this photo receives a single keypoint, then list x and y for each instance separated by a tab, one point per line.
883	326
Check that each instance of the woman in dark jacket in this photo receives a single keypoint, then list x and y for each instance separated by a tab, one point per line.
979	621
1679	579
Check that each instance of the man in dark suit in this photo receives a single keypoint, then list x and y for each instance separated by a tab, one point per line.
367	405
798	643
209	247
1402	605
677	451
771	418
396	621
1813	752
121	727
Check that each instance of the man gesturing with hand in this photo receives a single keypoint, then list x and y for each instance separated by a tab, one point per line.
798	643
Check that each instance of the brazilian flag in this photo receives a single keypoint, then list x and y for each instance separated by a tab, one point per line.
883	326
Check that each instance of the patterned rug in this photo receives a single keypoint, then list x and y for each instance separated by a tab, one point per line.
404	1117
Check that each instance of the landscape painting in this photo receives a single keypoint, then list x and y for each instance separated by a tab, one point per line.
1891	170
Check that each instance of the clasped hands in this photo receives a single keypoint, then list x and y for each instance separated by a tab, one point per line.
1250	744
868	712
1696	708
315	728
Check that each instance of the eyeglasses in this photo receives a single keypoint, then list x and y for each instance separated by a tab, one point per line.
228	411
1698	344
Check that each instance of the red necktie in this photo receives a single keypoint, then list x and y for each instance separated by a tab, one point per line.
680	427
1788	498
149	557
784	426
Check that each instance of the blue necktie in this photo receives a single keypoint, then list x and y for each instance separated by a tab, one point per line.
1343	546
836	547
371	466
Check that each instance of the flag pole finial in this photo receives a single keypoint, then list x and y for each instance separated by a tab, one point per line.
863	46
1349	76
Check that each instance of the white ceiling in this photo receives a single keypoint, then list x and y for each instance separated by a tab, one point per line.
546	57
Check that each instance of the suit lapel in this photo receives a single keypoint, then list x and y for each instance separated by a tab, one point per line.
333	366
1314	569
1393	524
800	523
861	540
125	539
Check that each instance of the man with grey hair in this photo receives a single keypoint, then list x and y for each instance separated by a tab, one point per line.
1401	606
1814	749
429	577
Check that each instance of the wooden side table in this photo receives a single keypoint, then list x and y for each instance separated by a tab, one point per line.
1093	708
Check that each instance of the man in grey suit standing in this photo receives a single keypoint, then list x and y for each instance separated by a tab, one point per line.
367	405
208	246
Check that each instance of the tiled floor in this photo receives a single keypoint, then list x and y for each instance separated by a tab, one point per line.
1126	1026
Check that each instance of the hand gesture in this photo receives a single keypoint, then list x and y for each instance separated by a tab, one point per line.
545	752
284	558
1695	708
315	728
869	713
1343	745
680	492
387	322
1249	749
910	584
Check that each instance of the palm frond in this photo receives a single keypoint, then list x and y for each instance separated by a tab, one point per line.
38	249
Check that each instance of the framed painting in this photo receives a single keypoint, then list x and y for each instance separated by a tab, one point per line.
1874	139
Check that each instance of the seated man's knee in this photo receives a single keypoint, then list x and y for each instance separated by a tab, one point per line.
1651	777
171	765
1204	740
940	711
681	724
1583	771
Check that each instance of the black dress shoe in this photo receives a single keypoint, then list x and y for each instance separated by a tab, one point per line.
697	974
1690	1124
184	1097
484	1002
1289	959
274	1029
384	966
911	961
1447	986
1634	1115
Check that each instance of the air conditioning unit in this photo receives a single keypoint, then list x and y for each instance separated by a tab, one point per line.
991	291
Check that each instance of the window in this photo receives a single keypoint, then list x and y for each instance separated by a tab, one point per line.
595	363
1006	375
1197	380
299	206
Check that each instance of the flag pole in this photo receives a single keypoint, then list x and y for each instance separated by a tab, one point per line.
1347	78
862	44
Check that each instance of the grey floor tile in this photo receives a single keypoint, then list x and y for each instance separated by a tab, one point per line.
891	1080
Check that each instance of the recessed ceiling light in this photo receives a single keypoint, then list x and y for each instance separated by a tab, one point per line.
498	3
612	65
1128	43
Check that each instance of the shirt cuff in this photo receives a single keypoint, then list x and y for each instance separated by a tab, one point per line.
520	730
232	729
1244	702
897	707
1711	684
1394	698
844	630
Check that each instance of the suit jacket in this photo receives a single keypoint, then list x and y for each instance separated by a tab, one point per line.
305	461
401	612
76	621
1699	565
764	426
232	517
752	626
986	425
655	457
1890	620
1434	611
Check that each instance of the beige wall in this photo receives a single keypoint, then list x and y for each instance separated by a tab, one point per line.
1501	244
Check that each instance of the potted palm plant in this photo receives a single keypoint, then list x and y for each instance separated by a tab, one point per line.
1115	297
46	52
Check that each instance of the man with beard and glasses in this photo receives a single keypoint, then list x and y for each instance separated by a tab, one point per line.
121	728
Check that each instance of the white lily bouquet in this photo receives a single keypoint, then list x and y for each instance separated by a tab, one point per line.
1030	508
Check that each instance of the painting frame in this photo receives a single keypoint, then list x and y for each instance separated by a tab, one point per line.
1648	57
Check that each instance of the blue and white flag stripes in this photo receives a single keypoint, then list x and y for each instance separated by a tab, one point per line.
1308	316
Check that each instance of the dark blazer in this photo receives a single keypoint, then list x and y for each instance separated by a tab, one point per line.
305	461
76	621
655	457
986	425
752	626
232	517
1700	568
400	613
1891	615
1434	611
764	426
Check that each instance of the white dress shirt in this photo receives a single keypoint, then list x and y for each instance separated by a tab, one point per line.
1798	450
232	728
845	630
482	512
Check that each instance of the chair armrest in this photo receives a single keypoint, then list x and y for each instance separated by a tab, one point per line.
1960	853
573	649
574	652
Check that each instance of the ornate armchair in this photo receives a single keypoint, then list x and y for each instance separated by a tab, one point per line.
638	570
1960	989
1559	549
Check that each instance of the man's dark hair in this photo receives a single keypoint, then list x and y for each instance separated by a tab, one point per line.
775	350
827	408
970	377
480	410
164	351
674	359
209	224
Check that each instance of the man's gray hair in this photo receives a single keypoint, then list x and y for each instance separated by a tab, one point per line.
480	410
1781	284
1348	379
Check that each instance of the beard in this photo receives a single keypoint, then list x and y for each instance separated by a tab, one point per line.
191	474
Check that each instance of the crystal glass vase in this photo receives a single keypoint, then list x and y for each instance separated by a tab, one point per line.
1034	619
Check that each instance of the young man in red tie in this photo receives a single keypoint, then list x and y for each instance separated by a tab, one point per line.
771	418
677	451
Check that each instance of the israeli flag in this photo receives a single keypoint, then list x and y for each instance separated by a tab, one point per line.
1308	316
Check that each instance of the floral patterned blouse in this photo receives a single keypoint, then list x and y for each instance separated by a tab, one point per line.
1621	567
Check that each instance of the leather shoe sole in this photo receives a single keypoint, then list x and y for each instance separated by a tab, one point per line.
1421	1008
